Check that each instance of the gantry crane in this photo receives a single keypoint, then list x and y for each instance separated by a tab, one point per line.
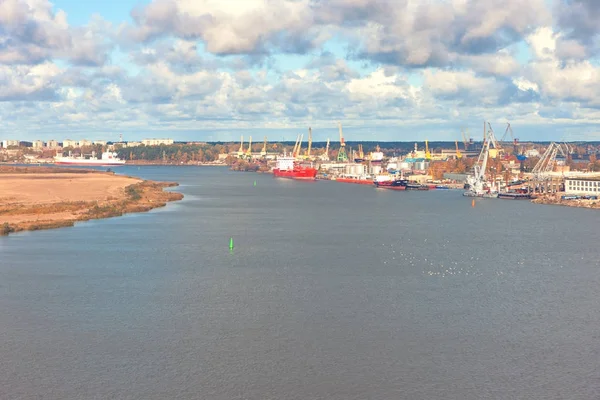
427	153
342	156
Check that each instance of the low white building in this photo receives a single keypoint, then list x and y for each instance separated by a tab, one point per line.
156	142
583	185
38	144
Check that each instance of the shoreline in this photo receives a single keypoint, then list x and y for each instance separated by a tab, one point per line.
555	200
49	197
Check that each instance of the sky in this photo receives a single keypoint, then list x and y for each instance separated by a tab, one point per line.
213	70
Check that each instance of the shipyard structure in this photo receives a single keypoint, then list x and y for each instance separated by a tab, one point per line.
494	167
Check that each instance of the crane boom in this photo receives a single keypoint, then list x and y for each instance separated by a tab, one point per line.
249	151
263	152
241	150
309	141
297	150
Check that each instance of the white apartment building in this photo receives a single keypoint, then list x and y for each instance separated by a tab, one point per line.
6	143
38	144
70	143
100	142
581	185
156	142
52	144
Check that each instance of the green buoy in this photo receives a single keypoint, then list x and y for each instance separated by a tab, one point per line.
254	183
230	243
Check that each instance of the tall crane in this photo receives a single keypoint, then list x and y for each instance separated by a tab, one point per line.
465	138
240	152
458	153
515	141
477	180
309	142
249	151
263	152
342	156
325	155
427	153
547	161
299	146
295	149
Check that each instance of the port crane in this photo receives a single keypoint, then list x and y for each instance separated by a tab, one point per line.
249	151
325	156
458	153
263	152
240	152
427	153
465	138
477	181
342	156
491	137
298	146
546	163
309	142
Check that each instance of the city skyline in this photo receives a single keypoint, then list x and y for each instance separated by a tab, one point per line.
215	70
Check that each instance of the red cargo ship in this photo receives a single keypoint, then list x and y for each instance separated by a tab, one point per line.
288	167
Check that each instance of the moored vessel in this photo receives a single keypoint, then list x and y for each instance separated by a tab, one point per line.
356	179
289	167
514	195
107	159
390	182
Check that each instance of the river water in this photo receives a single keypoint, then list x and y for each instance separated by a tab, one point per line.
332	291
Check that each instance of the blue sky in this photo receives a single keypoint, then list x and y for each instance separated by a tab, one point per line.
217	69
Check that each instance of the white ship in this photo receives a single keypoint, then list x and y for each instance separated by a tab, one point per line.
108	158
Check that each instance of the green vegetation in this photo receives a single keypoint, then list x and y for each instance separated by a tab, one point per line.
6	229
133	192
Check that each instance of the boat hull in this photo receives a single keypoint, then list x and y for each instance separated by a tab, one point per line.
485	195
398	184
296	173
101	163
514	196
355	181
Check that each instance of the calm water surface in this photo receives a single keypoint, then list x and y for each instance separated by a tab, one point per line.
333	291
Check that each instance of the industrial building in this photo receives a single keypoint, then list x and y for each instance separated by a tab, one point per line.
582	185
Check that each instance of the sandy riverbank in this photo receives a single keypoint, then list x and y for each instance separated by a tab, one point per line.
46	197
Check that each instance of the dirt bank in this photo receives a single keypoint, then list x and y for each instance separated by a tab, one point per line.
555	199
44	198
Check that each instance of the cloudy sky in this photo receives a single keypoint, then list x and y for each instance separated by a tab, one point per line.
216	69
